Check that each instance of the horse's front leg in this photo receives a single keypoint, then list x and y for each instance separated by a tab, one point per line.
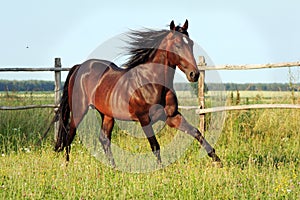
178	121
146	124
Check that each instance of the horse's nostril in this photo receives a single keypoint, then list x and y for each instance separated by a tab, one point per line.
192	75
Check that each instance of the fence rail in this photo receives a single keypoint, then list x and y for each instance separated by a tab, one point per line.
200	66
197	109
250	67
38	69
28	107
247	107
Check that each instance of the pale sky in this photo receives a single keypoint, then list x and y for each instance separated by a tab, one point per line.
230	32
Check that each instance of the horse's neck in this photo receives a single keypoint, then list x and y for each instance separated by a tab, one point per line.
166	69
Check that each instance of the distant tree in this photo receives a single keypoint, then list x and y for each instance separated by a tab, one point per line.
195	88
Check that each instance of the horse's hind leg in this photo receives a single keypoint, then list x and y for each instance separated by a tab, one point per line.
70	137
75	121
179	122
105	137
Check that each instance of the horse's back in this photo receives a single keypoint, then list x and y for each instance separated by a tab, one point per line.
99	66
95	83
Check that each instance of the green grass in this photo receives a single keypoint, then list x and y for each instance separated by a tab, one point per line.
259	149
43	175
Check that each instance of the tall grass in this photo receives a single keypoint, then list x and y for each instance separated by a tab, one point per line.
20	130
259	149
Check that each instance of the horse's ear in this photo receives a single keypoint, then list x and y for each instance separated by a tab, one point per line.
186	25
172	26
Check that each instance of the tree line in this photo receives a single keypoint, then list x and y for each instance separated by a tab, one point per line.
29	85
39	85
240	86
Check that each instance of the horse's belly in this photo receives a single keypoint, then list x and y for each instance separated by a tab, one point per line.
116	106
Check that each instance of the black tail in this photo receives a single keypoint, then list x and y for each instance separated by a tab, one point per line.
63	114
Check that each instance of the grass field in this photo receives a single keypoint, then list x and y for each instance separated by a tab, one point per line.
259	149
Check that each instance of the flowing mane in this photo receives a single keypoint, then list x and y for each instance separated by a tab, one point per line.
143	45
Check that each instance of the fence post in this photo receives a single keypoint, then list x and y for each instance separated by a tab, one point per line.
57	91
201	92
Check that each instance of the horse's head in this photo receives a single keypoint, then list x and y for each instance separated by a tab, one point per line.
180	51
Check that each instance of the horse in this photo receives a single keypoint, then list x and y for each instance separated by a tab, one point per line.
142	91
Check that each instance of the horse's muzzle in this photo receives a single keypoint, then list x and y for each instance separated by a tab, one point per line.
193	76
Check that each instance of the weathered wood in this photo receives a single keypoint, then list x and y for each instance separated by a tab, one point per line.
201	67
57	78
189	107
247	107
250	66
57	91
201	93
38	69
27	107
196	108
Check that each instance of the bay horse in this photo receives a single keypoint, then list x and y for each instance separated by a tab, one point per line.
142	91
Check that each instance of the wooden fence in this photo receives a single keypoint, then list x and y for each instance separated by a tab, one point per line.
201	110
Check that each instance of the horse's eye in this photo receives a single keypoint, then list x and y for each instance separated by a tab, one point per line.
177	46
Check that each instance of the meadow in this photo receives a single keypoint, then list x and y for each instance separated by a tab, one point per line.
259	150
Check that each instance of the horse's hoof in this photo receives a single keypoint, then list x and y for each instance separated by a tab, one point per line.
160	166
113	166
217	164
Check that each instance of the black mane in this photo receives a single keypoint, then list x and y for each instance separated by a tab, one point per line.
143	46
